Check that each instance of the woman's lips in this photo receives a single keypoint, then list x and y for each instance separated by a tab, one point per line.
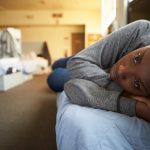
113	72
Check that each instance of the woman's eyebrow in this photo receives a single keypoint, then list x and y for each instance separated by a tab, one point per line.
144	84
145	89
142	56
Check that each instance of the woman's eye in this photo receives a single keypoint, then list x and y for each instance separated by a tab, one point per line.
136	84
137	58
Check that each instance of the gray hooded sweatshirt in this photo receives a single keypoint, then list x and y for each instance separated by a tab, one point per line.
90	68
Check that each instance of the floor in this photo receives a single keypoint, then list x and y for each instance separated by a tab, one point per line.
28	116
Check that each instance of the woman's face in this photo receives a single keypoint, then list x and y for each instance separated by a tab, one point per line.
132	72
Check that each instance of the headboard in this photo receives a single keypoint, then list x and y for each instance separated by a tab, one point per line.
40	48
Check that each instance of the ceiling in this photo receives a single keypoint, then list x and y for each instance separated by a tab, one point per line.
49	5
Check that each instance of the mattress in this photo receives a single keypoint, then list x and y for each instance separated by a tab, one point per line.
26	66
6	63
84	128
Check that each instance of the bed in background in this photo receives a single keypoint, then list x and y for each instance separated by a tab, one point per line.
28	57
34	57
20	59
40	48
84	128
37	53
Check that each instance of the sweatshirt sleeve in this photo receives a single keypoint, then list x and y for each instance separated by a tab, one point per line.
91	62
87	93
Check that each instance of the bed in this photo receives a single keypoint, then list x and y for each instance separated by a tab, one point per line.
28	57
84	128
19	61
33	59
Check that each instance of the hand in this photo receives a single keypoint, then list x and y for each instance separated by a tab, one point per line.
143	99
142	105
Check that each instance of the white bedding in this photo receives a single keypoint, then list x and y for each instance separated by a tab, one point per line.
26	66
84	128
12	54
6	63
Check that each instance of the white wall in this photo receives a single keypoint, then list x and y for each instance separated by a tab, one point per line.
108	14
58	38
38	25
91	20
41	22
121	15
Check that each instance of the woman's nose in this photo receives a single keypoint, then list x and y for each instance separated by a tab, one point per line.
124	72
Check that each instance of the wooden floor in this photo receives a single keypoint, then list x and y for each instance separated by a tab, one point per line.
28	116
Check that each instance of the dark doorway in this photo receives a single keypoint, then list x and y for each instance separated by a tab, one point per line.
77	42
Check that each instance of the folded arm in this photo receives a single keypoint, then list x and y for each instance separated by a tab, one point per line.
87	93
143	110
142	107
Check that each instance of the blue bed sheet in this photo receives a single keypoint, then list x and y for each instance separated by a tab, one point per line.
84	128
